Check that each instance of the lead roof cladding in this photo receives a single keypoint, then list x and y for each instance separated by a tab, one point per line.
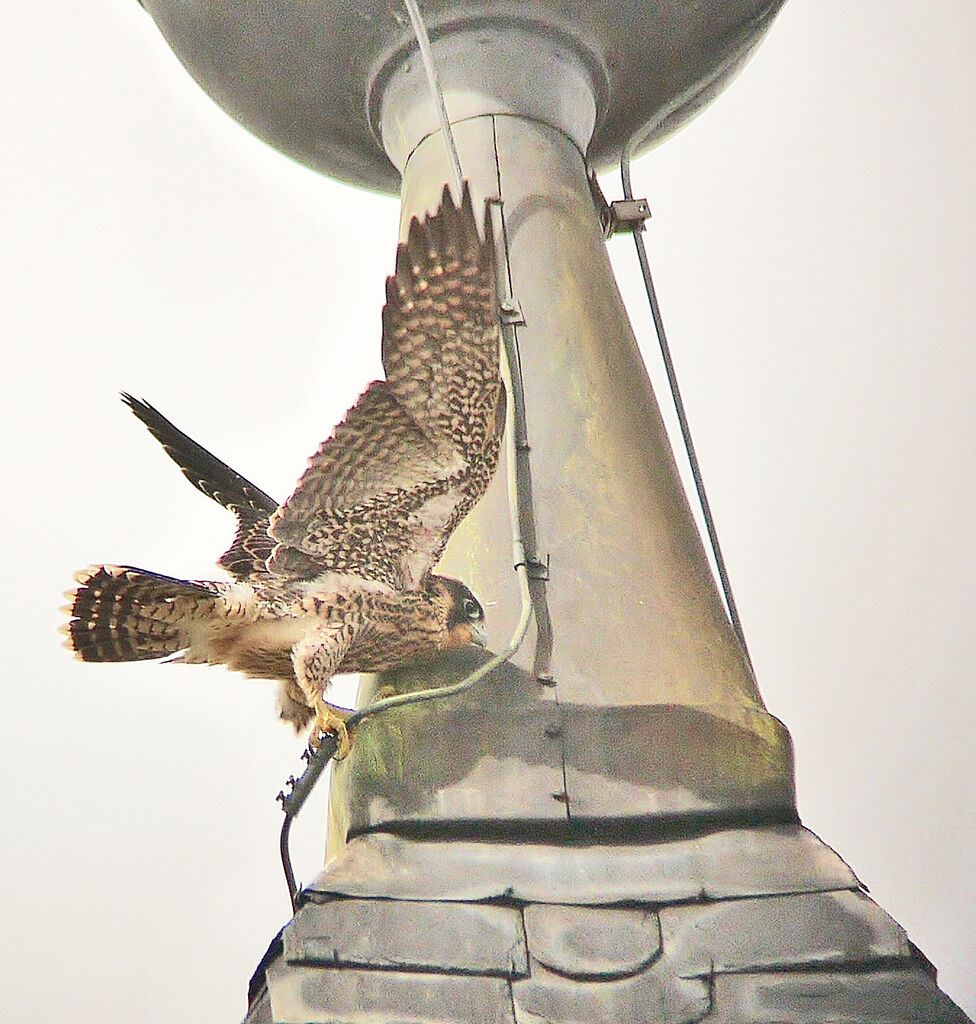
764	925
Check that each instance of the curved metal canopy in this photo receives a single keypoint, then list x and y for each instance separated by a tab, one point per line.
306	75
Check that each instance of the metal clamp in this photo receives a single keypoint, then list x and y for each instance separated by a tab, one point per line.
626	213
537	569
510	313
620	216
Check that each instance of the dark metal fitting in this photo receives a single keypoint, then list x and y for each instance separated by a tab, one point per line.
552	732
511	313
537	569
561	797
621	215
625	213
546	680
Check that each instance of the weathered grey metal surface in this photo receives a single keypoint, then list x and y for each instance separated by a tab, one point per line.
716	866
357	933
488	70
500	754
305	995
590	942
657	994
259	1011
804	956
627	762
799	930
490	754
879	997
902	995
635	615
301	74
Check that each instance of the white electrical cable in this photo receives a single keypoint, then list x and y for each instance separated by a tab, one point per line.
436	93
293	801
514	429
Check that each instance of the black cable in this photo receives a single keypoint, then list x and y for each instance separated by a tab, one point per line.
293	801
679	408
286	861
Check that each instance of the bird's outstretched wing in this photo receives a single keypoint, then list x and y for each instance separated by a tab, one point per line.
381	497
246	557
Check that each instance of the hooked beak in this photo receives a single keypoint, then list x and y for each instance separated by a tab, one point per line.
478	634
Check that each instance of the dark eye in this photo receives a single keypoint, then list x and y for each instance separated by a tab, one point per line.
471	608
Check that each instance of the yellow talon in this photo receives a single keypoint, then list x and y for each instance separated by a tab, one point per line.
331	721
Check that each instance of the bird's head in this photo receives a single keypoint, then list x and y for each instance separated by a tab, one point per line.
463	614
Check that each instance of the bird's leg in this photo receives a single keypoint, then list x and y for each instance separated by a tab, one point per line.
316	658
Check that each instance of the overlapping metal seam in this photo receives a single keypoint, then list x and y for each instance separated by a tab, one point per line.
450	938
728	863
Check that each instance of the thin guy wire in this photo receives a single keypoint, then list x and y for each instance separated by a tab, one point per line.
436	93
679	407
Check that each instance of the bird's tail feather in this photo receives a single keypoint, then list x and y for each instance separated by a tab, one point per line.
118	613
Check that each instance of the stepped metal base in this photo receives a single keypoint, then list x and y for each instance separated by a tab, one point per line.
755	925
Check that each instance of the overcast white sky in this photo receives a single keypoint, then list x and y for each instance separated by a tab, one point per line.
814	241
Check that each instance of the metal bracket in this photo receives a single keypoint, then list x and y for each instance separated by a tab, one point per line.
537	569
625	213
510	313
621	215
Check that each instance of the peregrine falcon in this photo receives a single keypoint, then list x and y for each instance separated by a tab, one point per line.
339	577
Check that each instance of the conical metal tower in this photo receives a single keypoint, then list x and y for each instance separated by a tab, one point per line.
605	828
